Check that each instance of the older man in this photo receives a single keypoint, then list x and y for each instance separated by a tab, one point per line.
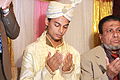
103	62
8	28
50	57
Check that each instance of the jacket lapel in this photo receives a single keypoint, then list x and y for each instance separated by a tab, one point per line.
100	59
6	54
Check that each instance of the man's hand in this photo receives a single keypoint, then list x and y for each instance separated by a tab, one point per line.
113	68
6	4
55	61
67	63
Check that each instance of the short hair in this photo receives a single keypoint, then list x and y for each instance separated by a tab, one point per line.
49	19
105	19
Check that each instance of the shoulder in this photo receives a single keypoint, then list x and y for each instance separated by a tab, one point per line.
92	53
34	46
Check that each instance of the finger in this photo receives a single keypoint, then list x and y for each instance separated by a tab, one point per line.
57	58
60	58
49	55
59	61
70	62
70	56
58	55
115	61
117	65
68	59
56	62
65	60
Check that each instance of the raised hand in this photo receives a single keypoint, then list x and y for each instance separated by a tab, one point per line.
113	68
6	4
55	61
67	63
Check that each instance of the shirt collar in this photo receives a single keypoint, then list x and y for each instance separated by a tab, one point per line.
48	42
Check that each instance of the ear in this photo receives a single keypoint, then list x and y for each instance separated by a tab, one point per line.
46	21
100	36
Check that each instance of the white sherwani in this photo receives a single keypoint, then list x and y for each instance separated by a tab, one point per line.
33	64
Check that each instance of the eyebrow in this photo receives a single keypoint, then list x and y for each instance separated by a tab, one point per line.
57	23
60	24
114	25
66	25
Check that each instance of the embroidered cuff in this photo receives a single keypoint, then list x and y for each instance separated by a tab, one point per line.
67	72
48	68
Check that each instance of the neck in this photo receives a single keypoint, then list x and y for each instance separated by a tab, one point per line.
115	51
54	43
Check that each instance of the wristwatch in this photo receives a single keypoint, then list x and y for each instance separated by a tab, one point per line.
5	11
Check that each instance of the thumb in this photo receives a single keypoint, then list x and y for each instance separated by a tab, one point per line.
107	61
49	55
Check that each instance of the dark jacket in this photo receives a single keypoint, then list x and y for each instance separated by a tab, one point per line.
8	28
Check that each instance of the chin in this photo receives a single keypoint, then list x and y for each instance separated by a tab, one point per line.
116	44
57	39
115	47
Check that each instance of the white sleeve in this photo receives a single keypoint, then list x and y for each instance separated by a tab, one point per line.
27	70
74	73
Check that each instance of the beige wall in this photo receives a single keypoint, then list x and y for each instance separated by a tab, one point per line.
80	30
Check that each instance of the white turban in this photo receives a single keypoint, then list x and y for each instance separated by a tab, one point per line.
57	9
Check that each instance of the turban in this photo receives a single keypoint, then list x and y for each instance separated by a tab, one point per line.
57	9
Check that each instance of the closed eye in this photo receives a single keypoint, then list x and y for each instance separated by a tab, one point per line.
66	26
57	24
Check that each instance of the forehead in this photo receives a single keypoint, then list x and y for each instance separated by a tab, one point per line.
61	20
111	24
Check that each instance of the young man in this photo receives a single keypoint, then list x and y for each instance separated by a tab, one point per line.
103	62
8	28
50	57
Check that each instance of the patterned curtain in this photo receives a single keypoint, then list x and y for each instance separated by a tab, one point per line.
102	8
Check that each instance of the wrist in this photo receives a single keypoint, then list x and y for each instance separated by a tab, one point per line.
109	75
5	11
68	70
49	69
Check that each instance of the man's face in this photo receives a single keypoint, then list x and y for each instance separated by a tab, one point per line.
111	33
57	27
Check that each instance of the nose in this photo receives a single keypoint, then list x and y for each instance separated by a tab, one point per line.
61	30
115	34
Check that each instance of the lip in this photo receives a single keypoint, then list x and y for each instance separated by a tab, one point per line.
59	36
116	41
